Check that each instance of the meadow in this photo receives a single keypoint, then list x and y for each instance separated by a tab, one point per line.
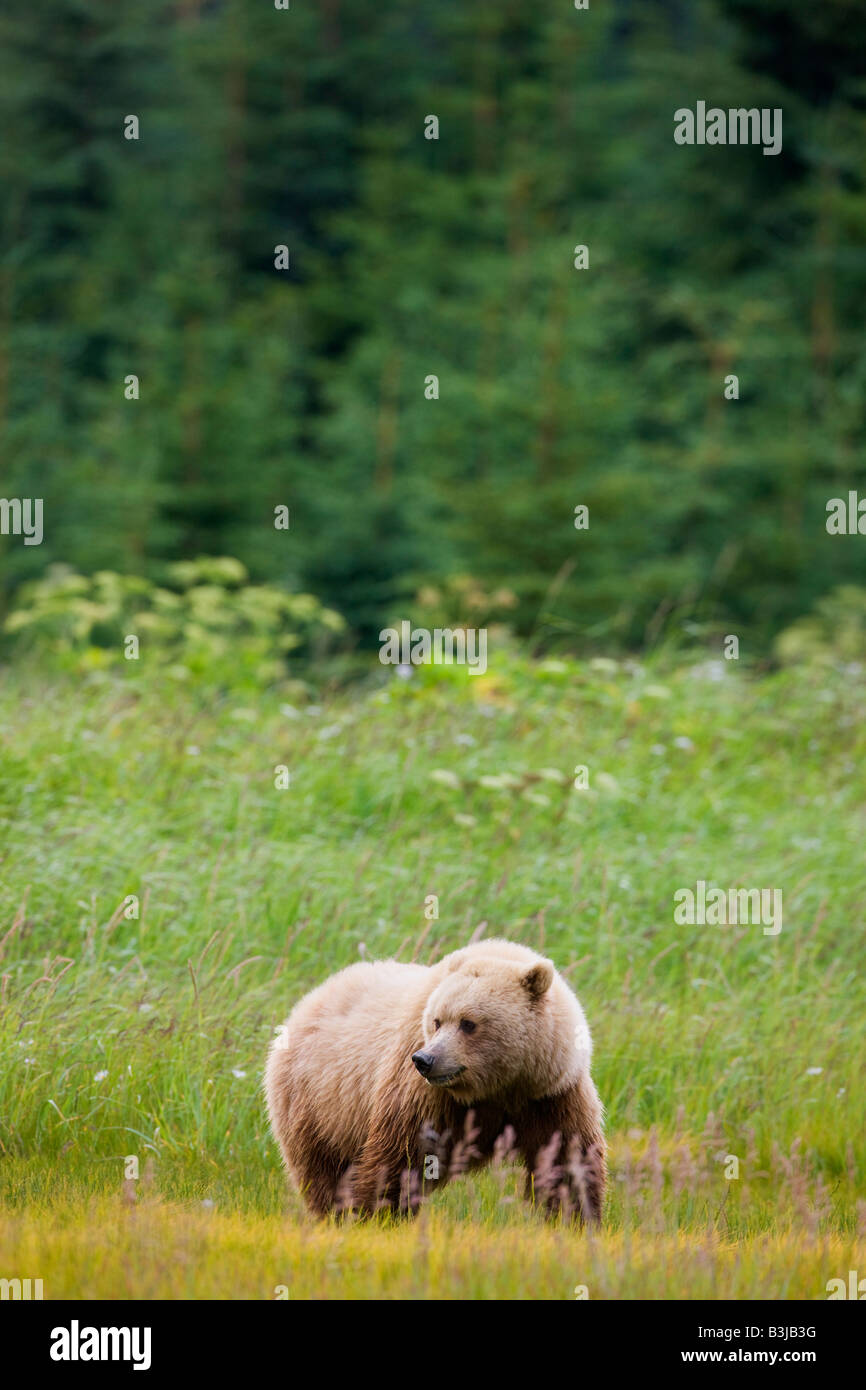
163	903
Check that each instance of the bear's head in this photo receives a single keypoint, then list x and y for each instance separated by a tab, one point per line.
491	1027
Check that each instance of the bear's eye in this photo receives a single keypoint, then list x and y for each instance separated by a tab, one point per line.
437	1024
467	1026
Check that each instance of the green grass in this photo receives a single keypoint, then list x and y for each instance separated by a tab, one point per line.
146	1038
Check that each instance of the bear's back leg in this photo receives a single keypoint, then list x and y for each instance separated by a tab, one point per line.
318	1176
315	1165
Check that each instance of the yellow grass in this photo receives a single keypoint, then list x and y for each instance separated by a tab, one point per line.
107	1249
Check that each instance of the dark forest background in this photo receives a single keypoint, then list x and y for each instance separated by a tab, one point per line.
412	257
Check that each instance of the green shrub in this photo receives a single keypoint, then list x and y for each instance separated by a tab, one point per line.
834	632
206	622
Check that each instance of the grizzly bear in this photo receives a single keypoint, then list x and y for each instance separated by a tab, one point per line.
390	1078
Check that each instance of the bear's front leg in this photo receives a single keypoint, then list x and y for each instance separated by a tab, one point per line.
373	1186
561	1142
386	1177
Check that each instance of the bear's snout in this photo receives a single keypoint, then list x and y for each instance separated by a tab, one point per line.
436	1069
423	1061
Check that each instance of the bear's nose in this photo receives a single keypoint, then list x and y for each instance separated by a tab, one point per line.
423	1061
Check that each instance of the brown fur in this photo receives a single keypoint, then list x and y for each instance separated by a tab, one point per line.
355	1120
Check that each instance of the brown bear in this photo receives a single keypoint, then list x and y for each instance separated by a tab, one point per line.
390	1078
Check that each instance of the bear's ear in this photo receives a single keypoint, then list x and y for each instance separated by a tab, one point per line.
538	979
455	960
